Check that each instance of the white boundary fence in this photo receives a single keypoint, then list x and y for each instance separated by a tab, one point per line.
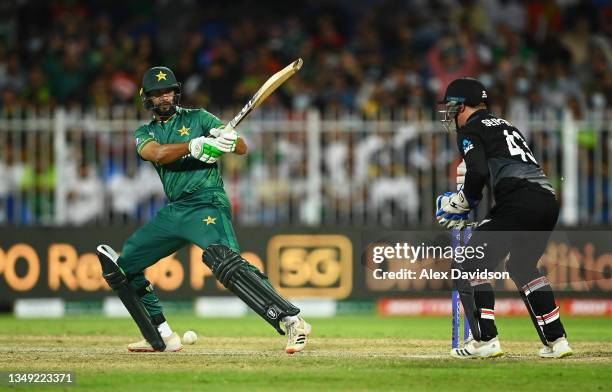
307	168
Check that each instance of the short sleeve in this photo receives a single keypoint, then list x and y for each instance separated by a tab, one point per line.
142	136
209	121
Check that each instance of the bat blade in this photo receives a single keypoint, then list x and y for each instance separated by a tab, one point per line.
273	82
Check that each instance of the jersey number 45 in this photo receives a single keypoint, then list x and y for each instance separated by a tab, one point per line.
515	149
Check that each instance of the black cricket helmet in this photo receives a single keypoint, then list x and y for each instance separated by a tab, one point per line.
159	78
463	91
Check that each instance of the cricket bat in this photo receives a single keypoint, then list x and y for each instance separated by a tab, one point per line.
264	91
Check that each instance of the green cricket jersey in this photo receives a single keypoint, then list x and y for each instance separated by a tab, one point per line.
187	174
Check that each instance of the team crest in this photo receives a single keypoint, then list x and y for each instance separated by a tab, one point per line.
161	76
184	131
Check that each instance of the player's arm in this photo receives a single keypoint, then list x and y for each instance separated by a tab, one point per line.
477	170
229	137
453	208
163	153
219	130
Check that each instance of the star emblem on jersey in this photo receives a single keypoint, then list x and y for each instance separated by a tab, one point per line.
184	131
209	220
161	76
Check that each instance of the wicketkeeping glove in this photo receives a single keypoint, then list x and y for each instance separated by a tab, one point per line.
453	210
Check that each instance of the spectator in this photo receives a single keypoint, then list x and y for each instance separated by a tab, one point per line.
85	197
126	193
373	60
363	57
450	59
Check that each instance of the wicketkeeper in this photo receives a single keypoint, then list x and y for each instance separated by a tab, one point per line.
517	228
184	145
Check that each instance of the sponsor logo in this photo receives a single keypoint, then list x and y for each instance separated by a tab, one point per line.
467	146
311	265
272	313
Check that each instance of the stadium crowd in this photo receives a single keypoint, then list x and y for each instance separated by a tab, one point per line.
360	54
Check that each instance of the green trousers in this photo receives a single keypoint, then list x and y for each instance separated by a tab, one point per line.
202	218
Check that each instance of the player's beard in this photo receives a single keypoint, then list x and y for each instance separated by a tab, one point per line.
165	109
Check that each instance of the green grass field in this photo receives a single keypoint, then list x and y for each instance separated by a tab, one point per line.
355	353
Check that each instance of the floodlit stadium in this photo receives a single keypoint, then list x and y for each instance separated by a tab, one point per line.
332	195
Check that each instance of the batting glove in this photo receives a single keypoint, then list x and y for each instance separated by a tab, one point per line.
226	137
205	149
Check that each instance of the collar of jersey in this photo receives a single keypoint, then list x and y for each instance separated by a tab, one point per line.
476	115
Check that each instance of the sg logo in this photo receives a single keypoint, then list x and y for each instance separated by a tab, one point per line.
311	265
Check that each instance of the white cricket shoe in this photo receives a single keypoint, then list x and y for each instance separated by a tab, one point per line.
173	344
476	349
297	333
557	349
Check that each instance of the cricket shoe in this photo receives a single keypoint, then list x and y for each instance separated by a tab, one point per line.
173	344
476	349
557	349
297	333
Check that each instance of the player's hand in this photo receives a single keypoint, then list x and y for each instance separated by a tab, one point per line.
461	170
453	210
456	222
226	137
205	149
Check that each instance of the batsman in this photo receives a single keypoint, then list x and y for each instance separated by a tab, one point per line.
184	146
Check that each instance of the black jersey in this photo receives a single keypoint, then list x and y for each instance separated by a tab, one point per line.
495	151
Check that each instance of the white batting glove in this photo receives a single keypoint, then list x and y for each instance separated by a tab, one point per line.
226	137
205	149
461	170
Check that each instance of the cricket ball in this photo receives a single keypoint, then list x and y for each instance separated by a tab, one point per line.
190	337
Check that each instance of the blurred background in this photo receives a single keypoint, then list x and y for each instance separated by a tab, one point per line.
351	141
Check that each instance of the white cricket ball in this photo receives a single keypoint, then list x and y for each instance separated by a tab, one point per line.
190	337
